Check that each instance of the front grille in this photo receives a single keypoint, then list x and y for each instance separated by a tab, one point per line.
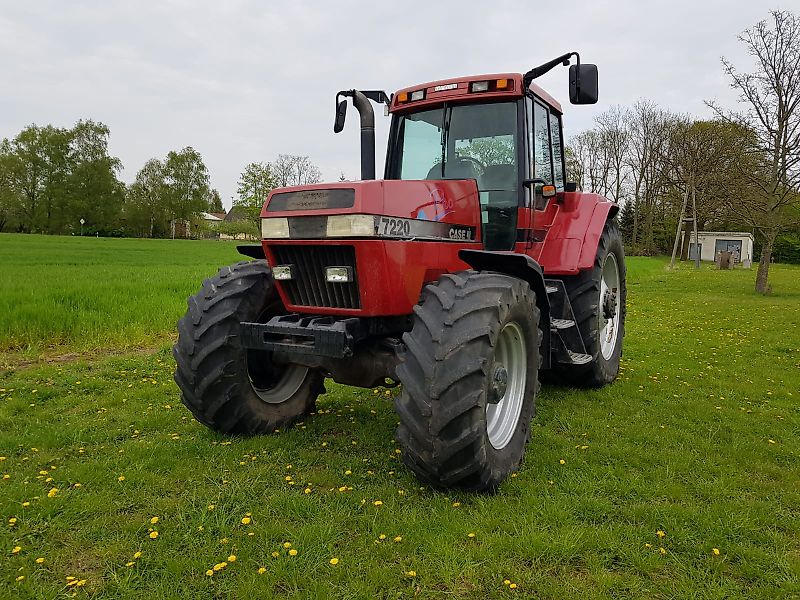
308	287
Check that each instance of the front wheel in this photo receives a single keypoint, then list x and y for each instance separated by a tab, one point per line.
470	377
226	387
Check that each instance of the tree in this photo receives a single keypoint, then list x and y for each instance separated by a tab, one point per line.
289	169
145	211
93	191
255	184
185	189
771	93
215	202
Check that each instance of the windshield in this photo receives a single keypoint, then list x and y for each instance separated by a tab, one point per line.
473	141
466	141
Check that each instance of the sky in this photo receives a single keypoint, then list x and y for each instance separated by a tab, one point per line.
242	81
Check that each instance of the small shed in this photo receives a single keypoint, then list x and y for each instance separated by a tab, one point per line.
738	243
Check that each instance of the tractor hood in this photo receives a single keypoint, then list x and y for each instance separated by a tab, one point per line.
441	210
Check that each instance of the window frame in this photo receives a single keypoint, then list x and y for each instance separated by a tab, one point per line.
531	100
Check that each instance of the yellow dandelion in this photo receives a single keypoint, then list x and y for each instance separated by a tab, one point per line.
245	520
261	570
648	545
662	551
470	535
6	476
153	535
232	558
39	560
334	561
26	504
307	490
211	507
513	586
20	577
81	583
378	503
137	554
292	552
16	549
275	554
456	504
210	572
398	539
411	573
348	472
12	521
154	520
715	551
287	544
52	492
220	566
562	462
343	488
506	582
660	533
121	478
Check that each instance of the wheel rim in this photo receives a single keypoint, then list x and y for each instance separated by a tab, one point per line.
503	411
273	383
609	317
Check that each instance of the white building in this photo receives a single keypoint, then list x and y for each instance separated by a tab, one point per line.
739	243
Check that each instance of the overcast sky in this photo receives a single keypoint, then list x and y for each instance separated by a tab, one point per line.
242	81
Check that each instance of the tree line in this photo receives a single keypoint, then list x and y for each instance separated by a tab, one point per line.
51	178
743	167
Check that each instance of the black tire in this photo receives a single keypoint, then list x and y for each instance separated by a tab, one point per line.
446	370
584	295
223	384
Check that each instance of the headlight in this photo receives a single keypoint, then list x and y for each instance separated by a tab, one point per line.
351	226
275	227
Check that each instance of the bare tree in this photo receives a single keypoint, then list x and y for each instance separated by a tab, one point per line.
772	93
289	169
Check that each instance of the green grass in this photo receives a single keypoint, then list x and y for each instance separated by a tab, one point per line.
87	293
698	439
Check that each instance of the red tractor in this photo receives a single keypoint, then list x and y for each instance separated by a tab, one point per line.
469	270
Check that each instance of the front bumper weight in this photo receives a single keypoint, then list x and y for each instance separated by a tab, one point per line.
300	334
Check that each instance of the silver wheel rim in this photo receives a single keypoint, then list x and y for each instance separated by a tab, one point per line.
291	380
502	417
608	325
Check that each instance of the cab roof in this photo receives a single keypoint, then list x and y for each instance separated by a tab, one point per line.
457	89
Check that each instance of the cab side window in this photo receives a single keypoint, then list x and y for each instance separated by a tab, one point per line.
542	159
558	161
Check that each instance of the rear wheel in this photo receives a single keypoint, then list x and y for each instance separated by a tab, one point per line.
598	299
226	387
470	377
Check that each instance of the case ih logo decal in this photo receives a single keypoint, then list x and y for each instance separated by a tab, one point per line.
440	206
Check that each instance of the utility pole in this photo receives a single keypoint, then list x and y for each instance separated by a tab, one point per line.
696	238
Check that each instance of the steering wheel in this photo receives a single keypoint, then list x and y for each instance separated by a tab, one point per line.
474	161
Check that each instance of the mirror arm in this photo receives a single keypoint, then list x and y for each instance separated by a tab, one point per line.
548	66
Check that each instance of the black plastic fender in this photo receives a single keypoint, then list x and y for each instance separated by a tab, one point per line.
522	267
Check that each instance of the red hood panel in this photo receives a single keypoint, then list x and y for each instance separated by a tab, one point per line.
446	201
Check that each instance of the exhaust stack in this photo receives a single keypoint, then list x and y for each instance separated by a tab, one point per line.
361	100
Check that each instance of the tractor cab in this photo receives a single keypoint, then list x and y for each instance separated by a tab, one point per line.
483	129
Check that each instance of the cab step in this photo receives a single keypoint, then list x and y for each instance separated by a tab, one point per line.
561	323
579	358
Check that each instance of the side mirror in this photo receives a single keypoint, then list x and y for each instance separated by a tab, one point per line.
547	190
341	113
583	84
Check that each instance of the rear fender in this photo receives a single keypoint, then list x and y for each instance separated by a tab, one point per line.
603	211
522	267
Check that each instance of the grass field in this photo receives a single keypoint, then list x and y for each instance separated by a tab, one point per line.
681	480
